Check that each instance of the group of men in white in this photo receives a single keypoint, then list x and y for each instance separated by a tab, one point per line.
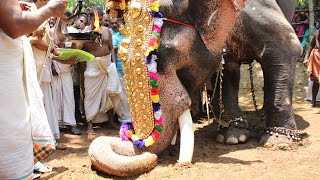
103	84
53	106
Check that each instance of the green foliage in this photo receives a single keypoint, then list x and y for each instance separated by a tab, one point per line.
302	3
87	3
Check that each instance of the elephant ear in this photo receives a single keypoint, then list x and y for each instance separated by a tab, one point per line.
215	20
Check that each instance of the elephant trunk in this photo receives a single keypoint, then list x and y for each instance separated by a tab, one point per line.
113	156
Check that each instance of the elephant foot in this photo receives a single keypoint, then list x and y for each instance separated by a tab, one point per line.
280	138
233	135
278	141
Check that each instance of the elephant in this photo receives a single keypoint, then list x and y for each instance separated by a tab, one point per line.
185	55
262	33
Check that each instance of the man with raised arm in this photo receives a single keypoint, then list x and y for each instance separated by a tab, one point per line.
102	83
19	86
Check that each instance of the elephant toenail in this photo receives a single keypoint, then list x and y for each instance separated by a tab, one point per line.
242	138
232	140
268	145
220	138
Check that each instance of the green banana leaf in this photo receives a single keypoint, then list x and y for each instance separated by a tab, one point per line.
65	54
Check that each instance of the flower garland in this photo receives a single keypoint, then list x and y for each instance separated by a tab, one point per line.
127	130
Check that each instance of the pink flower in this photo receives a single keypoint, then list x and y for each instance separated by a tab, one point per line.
154	76
157	28
159	121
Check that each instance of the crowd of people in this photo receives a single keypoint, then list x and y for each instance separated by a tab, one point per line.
312	60
300	23
38	100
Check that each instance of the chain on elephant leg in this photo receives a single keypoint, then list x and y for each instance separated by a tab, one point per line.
283	138
187	139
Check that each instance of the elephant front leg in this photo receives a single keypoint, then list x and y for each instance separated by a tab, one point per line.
279	75
237	132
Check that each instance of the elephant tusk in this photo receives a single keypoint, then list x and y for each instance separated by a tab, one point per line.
174	140
187	137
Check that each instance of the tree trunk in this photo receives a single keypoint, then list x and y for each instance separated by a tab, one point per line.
311	17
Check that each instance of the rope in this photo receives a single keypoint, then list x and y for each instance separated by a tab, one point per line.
180	23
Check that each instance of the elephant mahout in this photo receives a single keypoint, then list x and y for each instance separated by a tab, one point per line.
186	59
262	33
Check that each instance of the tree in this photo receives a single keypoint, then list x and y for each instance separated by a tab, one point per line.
97	3
302	3
311	16
305	3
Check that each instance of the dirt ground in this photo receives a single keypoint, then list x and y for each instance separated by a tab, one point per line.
212	160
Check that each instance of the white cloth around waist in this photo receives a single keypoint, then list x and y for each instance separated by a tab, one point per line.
16	151
97	66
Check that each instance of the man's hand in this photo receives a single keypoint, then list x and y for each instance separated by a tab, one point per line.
15	22
57	7
39	33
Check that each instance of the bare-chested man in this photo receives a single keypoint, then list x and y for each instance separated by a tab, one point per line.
105	20
102	83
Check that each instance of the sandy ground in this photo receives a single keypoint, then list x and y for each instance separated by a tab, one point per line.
212	160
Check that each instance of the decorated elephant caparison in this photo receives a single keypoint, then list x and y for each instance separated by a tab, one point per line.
186	59
262	33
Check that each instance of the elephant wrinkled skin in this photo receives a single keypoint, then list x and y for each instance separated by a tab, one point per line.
180	48
263	33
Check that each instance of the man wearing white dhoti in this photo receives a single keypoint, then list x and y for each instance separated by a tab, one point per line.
62	83
63	96
20	105
45	83
102	90
102	83
40	41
